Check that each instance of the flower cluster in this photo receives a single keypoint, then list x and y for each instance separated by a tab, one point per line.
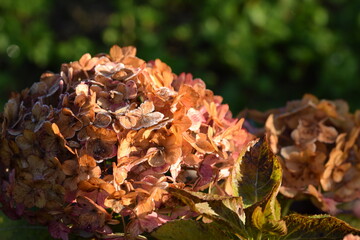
100	142
318	143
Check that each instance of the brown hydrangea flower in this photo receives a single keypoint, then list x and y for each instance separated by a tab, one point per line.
317	142
103	139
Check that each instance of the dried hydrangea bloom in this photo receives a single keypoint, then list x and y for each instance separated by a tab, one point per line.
317	142
104	139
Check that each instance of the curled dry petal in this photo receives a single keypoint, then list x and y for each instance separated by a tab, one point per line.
102	120
68	123
39	115
142	117
196	119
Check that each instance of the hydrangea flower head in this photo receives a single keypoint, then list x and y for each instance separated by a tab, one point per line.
102	140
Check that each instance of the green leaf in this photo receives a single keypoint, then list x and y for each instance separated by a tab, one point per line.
268	225
316	227
256	174
225	211
263	213
190	230
265	217
351	219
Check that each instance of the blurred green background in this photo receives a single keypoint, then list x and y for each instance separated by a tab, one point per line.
256	54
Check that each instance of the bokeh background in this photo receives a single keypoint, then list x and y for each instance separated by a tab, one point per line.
256	54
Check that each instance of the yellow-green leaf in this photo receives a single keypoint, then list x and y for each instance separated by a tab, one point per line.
224	211
316	227
190	230
257	175
265	216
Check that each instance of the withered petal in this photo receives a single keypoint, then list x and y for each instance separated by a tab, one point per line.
102	120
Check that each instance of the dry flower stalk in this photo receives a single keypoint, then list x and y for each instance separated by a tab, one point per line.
105	137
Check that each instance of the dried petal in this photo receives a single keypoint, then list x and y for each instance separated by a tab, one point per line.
102	120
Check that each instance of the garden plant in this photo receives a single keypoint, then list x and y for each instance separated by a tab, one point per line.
115	147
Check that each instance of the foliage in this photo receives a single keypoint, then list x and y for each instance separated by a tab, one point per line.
316	227
190	230
256	174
